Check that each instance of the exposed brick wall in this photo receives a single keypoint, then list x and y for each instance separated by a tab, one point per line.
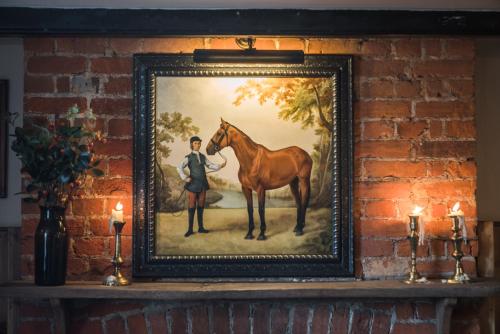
414	143
137	317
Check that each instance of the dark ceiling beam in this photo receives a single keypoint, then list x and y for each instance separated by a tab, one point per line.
17	21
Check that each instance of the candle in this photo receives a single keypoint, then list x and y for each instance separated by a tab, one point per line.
116	215
417	211
455	211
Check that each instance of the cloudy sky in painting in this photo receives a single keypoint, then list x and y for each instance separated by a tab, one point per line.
206	100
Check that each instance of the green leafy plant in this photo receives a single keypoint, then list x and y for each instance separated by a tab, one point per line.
57	156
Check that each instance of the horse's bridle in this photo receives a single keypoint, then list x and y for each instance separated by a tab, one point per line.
217	144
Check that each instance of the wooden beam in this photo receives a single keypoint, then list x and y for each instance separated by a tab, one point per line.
21	21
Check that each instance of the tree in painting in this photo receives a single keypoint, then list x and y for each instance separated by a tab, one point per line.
306	101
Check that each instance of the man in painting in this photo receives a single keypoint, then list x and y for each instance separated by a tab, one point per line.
196	183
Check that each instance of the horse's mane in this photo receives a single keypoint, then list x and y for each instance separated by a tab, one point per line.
243	134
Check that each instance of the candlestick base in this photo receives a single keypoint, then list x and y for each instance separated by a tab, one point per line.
459	279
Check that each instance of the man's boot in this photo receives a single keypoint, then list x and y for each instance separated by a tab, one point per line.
191	222
201	229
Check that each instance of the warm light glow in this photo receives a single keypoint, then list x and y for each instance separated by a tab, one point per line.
417	210
119	206
456	207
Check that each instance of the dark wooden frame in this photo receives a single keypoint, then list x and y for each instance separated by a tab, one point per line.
4	137
146	264
283	22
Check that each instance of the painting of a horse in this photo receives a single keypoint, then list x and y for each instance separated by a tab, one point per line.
262	169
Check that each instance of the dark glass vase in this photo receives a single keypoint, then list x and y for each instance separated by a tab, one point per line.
51	247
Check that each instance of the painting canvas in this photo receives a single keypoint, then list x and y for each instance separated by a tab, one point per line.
244	168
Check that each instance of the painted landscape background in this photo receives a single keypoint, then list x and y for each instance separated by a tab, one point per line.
274	112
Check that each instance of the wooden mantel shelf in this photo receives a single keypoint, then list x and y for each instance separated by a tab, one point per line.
252	290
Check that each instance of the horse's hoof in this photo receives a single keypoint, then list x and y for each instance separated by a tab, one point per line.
299	233
249	237
262	237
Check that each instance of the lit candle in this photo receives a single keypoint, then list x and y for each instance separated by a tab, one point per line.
417	211
456	212
116	215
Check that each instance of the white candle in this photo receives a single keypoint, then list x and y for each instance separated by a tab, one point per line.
417	211
117	213
455	211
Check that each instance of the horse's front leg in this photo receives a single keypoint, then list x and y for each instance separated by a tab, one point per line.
261	193
248	195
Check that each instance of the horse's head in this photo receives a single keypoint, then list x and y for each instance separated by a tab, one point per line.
220	139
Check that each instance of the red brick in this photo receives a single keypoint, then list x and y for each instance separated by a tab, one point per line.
34	310
386	209
432	47
114	147
437	247
179	321
436	88
407	89
439	267
27	245
105	106
75	226
381	68
444	109
115	325
28	226
383	149
376	88
124	46
382	190
461	129
444	68
52	105
382	228
376	47
260	318
321	319
119	167
27	266
30	208
381	323
405	311
86	207
403	249
279	319
111	65
120	127
221	319
361	321
91	45
77	266
413	328
375	168
38	84
89	246
158	323
382	109
378	130
62	84
137	324
411	130
118	86
371	248
436	129
114	187
101	266
447	149
39	45
462	88
466	328
56	64
241	324
85	326
335	45
181	45
340	320
34	327
408	48
425	311
460	48
300	316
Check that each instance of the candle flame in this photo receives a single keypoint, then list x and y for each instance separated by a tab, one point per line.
456	207
119	206
417	210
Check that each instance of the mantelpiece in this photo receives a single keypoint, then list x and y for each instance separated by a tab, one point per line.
445	295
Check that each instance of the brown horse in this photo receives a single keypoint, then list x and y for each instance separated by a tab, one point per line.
262	169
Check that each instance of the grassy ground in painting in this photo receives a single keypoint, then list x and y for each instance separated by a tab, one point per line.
228	228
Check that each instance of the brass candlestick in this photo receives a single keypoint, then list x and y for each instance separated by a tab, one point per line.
117	279
414	275
459	276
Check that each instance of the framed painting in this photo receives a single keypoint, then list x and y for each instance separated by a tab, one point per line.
4	138
242	170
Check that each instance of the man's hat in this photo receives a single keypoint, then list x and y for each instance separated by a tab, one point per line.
194	138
